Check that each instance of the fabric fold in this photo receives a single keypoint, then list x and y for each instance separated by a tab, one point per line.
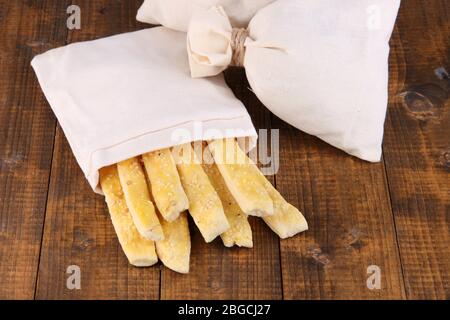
176	14
319	65
125	95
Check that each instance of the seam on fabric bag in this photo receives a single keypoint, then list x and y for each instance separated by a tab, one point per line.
245	123
89	168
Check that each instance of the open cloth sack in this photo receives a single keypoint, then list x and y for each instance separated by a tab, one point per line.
125	95
176	14
320	65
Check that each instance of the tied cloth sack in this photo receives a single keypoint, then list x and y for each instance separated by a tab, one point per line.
126	95
320	65
176	14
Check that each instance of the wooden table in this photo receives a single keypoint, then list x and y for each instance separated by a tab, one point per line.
394	214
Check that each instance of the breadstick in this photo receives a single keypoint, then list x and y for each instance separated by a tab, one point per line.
240	232
238	175
134	185
205	206
139	251
174	251
165	184
287	221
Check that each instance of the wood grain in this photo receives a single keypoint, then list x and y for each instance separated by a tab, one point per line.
393	215
27	129
345	201
221	273
78	230
417	146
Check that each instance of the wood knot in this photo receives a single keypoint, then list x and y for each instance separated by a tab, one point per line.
103	10
81	241
352	239
442	74
3	236
424	102
36	43
444	160
107	8
12	162
320	258
35	46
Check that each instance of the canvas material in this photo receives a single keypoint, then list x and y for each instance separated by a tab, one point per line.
176	14
125	95
320	65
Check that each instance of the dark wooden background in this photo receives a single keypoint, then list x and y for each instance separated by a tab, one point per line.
394	214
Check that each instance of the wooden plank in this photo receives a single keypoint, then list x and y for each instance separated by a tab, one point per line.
417	147
328	262
78	230
27	129
346	203
221	273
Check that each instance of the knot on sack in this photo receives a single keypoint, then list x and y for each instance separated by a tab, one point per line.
238	37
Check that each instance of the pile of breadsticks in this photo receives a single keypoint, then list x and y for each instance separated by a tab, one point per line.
148	199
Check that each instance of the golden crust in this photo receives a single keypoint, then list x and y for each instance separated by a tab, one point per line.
137	197
139	251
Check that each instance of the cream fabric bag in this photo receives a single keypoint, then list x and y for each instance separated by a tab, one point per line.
129	94
176	14
320	65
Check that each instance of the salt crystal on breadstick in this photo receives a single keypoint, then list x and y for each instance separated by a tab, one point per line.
137	196
239	177
205	206
139	251
165	184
